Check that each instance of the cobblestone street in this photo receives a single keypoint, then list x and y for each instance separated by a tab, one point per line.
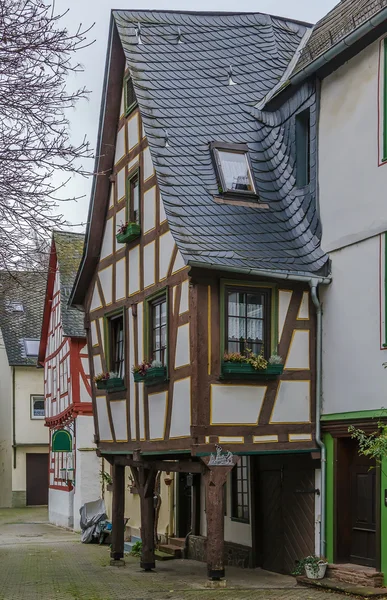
42	562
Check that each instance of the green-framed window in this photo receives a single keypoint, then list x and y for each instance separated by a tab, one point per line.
303	148
156	327
248	317
133	197
129	95
240	501
115	342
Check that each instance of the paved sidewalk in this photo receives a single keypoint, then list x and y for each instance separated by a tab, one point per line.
42	562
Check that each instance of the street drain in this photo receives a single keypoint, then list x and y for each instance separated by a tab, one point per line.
30	535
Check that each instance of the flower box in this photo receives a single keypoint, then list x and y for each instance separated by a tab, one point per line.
112	383
245	370
133	231
152	376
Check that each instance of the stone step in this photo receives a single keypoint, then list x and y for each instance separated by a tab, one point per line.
177	542
172	549
128	546
163	555
357	575
346	588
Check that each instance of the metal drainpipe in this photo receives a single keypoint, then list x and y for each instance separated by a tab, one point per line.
316	302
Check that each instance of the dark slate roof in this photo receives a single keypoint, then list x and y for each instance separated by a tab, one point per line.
69	248
341	21
182	88
28	289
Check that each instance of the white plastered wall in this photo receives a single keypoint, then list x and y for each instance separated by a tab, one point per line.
88	467
352	186
353	374
5	428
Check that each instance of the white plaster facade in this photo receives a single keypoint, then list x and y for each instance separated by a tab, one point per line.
353	214
19	434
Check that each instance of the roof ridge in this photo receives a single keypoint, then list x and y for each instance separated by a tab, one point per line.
211	14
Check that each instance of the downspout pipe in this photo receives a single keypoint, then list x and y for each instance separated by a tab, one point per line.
313	287
13	417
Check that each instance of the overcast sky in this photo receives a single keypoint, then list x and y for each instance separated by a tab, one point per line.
84	120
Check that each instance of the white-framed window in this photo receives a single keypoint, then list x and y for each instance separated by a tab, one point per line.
37	407
233	169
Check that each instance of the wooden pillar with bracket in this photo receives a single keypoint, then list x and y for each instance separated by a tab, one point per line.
219	466
118	508
145	482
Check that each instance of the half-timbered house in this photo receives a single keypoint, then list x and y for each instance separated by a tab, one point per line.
74	466
199	281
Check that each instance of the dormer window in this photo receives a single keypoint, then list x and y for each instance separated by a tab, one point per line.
233	167
130	96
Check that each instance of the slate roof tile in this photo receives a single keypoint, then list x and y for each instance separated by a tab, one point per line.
69	247
183	89
28	289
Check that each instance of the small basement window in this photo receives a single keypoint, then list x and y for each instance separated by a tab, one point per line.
233	167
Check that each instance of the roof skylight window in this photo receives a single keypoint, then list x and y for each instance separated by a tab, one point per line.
235	175
14	307
31	347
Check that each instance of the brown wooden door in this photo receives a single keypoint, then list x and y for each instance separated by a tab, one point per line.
363	512
356	506
285	497
37	479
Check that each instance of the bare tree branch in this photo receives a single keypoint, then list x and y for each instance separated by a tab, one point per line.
37	53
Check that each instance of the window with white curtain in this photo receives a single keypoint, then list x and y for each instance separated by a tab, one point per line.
247	320
234	170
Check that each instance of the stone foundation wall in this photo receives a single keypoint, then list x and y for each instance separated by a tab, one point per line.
19	499
235	555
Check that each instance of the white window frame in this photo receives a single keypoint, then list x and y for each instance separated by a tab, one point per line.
34	397
217	147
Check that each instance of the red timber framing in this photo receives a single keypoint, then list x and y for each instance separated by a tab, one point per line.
195	406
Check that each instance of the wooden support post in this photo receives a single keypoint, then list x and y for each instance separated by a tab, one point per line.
214	479
145	481
118	508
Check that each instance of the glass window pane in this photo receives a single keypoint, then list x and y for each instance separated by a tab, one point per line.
254	330
254	306
163	336
236	304
163	309
235	170
236	328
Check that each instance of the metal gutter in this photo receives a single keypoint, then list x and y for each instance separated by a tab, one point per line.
313	288
304	277
344	44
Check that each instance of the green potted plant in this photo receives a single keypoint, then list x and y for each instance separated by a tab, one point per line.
127	232
314	567
249	364
150	373
108	381
106	480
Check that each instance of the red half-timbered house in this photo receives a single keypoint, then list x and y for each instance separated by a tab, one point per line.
73	464
219	257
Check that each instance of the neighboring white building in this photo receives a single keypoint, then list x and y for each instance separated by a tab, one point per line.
23	436
74	466
347	53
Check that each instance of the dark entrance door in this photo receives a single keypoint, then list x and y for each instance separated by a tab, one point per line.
37	479
285	499
356	508
184	505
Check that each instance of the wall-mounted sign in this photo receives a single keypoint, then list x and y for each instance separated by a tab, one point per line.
62	441
221	459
